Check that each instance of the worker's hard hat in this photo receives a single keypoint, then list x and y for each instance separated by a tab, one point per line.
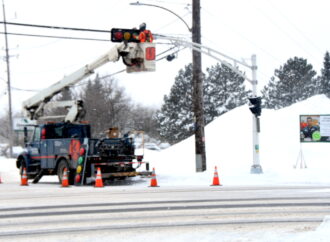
143	26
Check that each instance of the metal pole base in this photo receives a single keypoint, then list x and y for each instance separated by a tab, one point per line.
256	169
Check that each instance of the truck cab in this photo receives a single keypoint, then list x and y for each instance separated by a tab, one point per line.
50	145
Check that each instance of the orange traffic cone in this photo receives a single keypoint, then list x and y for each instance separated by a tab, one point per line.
98	181
153	181
216	181
24	179
65	180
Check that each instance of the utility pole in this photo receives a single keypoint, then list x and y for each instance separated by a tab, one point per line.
10	119
198	105
198	90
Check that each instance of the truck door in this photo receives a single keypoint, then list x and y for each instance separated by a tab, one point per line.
33	146
47	148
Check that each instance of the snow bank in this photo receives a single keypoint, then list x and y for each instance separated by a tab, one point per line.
229	147
8	171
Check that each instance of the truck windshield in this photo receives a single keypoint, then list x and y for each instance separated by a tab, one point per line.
67	130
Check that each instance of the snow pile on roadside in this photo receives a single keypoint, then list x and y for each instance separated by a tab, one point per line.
229	147
8	170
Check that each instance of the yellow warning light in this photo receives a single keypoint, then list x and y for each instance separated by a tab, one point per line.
79	168
127	35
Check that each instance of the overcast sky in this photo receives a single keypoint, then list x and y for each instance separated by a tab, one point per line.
273	30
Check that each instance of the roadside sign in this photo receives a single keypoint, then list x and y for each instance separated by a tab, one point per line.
315	128
19	123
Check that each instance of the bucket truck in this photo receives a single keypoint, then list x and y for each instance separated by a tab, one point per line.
55	146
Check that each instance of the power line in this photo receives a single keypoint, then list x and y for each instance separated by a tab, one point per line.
55	27
169	2
172	22
55	37
288	35
294	26
240	34
20	89
63	28
24	90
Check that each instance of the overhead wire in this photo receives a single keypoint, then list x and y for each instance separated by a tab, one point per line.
244	37
20	89
284	31
59	37
167	2
25	90
241	35
172	22
55	36
71	38
55	27
294	26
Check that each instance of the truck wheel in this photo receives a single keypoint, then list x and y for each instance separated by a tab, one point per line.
22	166
60	170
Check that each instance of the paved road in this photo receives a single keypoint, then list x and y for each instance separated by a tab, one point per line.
48	211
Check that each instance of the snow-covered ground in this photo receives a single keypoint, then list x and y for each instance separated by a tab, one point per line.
229	147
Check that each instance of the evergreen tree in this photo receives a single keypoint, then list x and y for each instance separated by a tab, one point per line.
175	118
270	96
295	82
325	76
223	90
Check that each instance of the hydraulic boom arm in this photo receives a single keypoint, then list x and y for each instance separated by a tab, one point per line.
34	106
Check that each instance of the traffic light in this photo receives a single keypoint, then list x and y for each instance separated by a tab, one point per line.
129	35
255	105
80	166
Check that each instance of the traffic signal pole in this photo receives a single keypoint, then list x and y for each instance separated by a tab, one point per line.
198	103
256	167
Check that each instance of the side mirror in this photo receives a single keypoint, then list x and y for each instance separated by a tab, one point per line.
25	135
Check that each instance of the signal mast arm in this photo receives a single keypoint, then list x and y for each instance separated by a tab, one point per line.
34	106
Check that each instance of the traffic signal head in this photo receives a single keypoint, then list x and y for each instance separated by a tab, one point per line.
255	105
129	35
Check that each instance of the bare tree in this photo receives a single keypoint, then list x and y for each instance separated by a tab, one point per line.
108	105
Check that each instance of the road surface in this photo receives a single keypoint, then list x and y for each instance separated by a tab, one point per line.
124	212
